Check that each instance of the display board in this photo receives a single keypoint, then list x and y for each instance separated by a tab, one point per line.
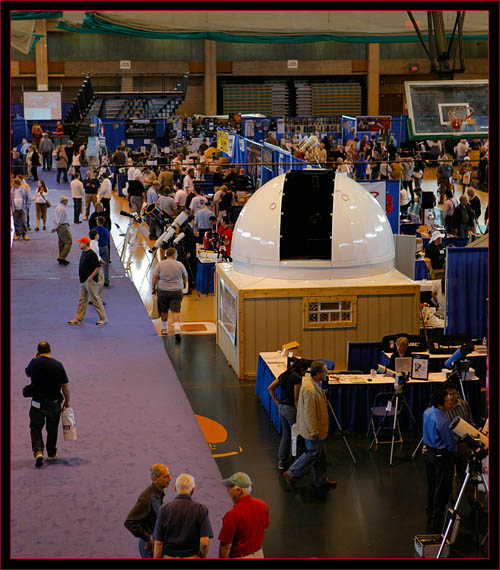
42	105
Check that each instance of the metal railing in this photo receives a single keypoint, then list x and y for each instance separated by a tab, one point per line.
133	83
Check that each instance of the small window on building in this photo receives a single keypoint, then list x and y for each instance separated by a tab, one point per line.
330	312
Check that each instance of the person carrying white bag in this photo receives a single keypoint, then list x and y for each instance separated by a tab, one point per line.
69	425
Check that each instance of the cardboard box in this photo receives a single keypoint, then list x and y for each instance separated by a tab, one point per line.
292	348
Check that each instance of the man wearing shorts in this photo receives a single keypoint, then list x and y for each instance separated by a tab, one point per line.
169	280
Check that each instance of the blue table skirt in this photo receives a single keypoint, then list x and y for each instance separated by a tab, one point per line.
421	271
352	402
205	277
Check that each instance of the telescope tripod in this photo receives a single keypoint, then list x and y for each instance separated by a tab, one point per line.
473	472
342	433
398	399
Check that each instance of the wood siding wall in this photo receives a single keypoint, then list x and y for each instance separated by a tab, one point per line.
268	323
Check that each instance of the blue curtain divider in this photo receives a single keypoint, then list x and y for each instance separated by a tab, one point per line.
467	291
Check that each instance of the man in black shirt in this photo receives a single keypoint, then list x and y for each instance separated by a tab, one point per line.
48	378
474	202
99	212
91	184
88	274
433	250
463	218
141	519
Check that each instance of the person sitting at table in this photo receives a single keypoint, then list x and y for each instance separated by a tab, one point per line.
434	256
289	383
403	350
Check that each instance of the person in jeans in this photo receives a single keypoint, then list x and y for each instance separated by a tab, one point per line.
313	425
104	246
77	192
40	199
48	378
19	202
142	517
289	388
61	164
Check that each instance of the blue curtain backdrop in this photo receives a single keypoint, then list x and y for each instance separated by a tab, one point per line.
467	291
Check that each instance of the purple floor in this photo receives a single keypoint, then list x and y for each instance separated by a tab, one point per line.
130	409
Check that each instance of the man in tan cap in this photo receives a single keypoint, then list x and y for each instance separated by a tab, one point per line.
243	526
61	226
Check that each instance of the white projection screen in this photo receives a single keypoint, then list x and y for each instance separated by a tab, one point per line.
42	105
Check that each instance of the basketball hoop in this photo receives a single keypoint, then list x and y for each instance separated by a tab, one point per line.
459	115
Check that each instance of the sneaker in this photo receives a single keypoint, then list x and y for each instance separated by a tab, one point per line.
16	238
25	237
75	322
52	457
64	262
164	332
102	322
106	283
37	229
39	459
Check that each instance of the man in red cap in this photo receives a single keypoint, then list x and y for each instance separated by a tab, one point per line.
88	272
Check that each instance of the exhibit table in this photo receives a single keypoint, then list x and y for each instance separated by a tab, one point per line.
205	271
352	395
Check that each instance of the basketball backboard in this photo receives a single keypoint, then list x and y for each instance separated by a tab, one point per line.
444	109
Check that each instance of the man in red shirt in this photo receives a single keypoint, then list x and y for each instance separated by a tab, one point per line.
226	232
243	526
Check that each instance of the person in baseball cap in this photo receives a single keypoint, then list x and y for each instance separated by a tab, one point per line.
238	480
435	256
84	239
64	199
243	526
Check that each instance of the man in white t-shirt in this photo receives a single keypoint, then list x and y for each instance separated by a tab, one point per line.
169	279
105	193
180	196
198	202
77	193
188	184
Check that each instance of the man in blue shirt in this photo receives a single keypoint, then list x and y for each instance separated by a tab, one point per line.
439	457
103	246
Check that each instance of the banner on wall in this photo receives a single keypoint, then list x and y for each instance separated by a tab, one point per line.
373	123
253	160
230	145
223	141
348	129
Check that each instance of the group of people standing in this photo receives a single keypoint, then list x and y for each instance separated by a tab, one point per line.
181	527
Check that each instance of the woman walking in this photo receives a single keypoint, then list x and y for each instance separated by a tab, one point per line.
61	164
40	199
289	387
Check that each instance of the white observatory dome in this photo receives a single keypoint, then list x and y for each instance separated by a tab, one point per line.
362	243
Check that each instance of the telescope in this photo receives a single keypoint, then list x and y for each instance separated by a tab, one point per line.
460	354
471	436
169	233
133	215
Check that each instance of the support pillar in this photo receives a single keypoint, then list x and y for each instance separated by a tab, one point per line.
373	78
42	64
210	83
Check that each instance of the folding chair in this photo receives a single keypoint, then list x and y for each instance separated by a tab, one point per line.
380	414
